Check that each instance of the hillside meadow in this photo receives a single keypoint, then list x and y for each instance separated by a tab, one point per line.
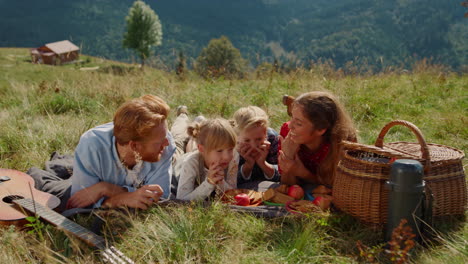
369	33
46	108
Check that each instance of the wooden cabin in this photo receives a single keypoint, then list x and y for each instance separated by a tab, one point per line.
55	53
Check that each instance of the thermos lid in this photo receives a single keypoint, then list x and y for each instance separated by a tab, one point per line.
406	175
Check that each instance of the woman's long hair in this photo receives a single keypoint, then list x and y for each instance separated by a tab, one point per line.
326	112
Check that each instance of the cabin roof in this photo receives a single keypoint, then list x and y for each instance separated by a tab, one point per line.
63	46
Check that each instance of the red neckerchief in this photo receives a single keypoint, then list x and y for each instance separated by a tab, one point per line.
311	160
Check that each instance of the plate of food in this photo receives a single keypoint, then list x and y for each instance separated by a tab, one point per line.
242	197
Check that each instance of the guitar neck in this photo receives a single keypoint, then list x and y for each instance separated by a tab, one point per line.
62	222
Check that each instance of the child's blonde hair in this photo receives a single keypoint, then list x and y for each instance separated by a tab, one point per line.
248	117
213	134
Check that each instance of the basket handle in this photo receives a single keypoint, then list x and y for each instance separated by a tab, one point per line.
424	148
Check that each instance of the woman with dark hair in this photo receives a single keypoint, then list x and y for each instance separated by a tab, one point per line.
310	140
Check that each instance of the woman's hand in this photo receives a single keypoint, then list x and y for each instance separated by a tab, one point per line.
293	169
288	147
286	164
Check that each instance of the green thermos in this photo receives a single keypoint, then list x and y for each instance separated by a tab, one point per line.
406	197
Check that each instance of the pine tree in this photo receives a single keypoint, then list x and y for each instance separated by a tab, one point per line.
143	30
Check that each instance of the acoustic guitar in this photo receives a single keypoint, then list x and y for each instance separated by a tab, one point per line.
18	197
14	182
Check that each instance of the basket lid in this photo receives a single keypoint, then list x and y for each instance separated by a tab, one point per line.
437	152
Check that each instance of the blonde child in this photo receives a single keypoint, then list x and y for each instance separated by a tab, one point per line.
213	166
257	146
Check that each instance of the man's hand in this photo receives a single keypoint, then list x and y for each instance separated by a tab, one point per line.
142	198
92	194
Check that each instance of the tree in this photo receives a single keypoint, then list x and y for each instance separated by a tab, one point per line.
220	58
143	30
181	65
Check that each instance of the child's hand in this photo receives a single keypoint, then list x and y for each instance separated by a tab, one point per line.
288	147
248	153
215	174
263	151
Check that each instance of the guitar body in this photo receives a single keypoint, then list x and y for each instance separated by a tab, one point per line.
18	198
20	184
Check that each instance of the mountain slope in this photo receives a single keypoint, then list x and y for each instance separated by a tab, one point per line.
368	32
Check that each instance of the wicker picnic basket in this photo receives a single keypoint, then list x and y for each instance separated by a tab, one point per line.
359	187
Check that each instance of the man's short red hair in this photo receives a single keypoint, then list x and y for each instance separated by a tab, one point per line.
135	119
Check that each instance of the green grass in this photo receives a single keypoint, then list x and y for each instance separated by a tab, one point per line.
46	108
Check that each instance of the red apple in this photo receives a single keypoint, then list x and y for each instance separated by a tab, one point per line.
318	200
323	201
242	199
296	192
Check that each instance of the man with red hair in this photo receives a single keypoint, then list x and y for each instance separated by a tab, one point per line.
124	163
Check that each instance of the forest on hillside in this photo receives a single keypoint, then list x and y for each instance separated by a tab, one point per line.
375	33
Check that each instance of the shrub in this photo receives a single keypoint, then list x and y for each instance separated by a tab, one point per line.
220	58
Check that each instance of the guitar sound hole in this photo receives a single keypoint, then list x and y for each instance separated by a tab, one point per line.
10	198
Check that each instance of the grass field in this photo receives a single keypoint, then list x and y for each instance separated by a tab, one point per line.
46	108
